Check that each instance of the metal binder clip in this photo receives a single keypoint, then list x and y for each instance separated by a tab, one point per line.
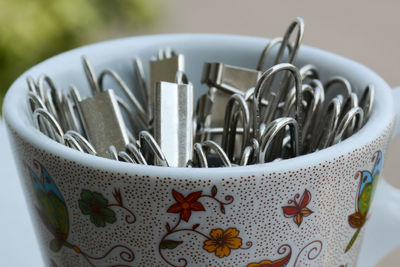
103	122
142	115
172	122
232	79
224	81
139	74
164	69
102	118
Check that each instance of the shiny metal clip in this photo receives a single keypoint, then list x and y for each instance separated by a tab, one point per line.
173	121
164	69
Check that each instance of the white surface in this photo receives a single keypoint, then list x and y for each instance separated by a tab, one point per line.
18	246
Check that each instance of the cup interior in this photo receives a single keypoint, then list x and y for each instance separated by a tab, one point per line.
66	69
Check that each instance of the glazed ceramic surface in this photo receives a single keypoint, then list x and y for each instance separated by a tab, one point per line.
90	211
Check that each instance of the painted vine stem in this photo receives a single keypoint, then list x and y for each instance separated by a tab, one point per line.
219	241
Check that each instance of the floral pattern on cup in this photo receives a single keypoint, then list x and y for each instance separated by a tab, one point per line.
310	251
299	209
53	212
221	242
367	185
99	210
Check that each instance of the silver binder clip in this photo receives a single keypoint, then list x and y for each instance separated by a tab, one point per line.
224	81
103	122
172	122
164	69
231	79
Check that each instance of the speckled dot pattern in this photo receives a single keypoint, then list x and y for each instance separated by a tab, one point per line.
253	208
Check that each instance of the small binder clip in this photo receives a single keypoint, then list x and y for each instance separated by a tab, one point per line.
103	122
164	69
224	81
173	116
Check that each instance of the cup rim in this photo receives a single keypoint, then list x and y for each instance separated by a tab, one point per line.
377	123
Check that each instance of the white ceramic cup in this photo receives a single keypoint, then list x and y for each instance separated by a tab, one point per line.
305	211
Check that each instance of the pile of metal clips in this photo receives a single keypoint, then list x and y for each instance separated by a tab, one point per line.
248	116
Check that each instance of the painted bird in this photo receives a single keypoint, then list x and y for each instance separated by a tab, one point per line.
366	190
52	208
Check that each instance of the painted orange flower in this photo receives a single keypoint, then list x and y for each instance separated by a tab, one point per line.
222	242
185	205
299	209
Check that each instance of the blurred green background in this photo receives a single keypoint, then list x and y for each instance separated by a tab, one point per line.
31	31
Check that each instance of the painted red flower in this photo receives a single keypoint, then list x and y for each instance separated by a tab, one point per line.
185	205
299	209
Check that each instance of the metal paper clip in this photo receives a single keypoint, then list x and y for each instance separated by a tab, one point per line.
236	110
354	113
57	133
341	83
314	95
367	100
201	152
173	121
284	85
102	118
148	144
164	69
308	73
325	132
142	115
250	153
271	132
135	153
260	89
75	140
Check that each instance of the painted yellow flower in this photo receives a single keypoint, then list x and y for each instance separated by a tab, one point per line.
222	242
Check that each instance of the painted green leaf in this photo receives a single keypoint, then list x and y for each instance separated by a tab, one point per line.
56	244
170	244
222	208
214	191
